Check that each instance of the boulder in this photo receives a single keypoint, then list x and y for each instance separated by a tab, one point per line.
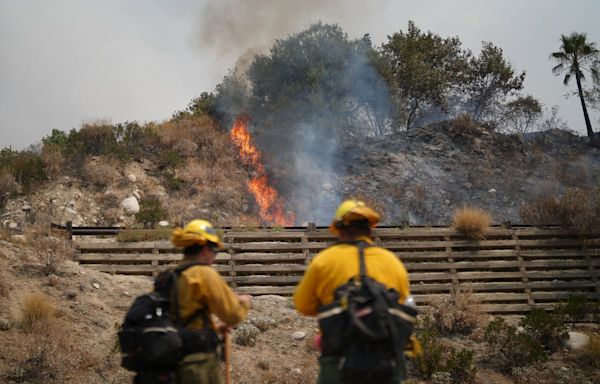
132	177
163	223
577	340
130	205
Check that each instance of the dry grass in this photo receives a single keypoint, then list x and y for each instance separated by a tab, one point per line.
37	312
472	222
576	209
51	356
250	368
457	313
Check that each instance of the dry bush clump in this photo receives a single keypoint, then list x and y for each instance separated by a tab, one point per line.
195	173
472	222
100	173
37	312
572	174
8	186
186	147
53	161
50	251
217	197
576	209
108	199
50	355
458	312
246	334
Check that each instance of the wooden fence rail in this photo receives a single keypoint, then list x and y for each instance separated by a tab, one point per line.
511	271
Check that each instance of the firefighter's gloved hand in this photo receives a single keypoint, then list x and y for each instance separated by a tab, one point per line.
413	348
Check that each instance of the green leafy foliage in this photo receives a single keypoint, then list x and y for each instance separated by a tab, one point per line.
545	327
318	76
151	211
440	358
491	78
26	167
578	308
423	70
511	349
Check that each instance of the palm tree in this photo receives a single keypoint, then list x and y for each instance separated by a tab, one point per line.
577	55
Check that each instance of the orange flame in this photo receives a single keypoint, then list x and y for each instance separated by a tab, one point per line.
271	206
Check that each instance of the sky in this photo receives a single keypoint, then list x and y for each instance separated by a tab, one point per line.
66	62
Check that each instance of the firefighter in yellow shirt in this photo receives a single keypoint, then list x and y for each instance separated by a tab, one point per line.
201	287
337	265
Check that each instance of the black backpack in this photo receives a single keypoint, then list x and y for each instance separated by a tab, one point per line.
367	327
153	337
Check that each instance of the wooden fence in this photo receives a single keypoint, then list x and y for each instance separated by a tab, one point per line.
511	271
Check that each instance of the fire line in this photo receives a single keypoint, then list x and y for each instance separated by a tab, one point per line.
271	206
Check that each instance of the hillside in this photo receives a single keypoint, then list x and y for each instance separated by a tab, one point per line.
189	168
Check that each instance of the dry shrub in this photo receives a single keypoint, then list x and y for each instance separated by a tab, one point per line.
8	186
217	197
200	174
572	174
111	215
100	173
458	312
108	200
50	252
51	356
576	209
472	222
466	126
186	147
53	161
37	312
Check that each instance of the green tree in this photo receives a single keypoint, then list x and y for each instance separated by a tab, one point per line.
576	56
522	114
318	77
424	69
491	79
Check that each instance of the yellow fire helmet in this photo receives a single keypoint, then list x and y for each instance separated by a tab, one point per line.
196	232
353	210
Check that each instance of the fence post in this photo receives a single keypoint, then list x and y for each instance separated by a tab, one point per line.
311	227
69	227
231	252
523	270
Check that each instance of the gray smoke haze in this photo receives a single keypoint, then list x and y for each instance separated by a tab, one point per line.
238	25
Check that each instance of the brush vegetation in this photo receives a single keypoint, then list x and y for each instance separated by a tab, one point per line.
471	222
37	311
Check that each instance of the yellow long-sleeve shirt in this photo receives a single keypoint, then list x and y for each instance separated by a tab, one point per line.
201	286
337	264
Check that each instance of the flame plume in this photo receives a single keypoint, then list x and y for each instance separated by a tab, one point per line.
271	206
